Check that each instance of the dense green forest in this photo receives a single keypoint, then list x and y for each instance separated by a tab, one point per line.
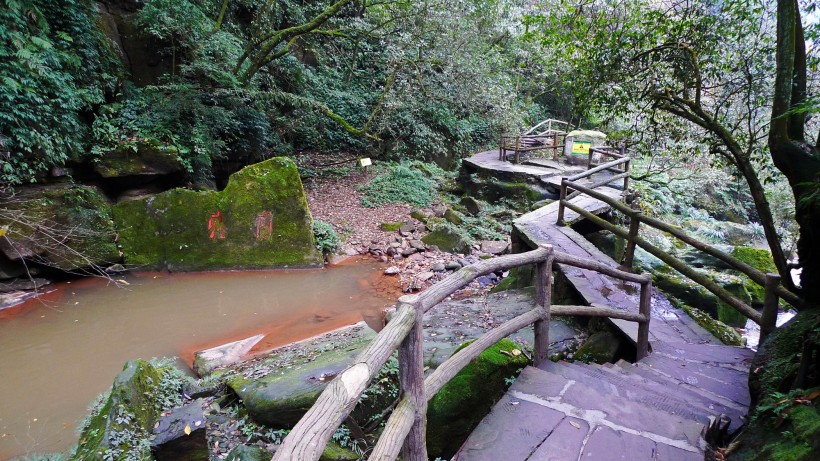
222	84
714	98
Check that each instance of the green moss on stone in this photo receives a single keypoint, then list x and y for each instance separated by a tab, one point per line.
447	239
78	214
461	404
518	277
779	428
335	452
390	226
129	413
171	230
726	334
142	158
452	216
602	347
759	258
419	216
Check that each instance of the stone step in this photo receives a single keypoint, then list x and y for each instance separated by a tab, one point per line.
709	405
629	390
720	403
577	398
547	417
734	357
726	382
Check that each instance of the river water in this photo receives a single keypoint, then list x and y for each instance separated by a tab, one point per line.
58	352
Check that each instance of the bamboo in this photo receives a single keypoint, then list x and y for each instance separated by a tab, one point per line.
768	321
674	263
543	298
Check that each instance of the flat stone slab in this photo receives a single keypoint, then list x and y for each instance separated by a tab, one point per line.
208	360
451	323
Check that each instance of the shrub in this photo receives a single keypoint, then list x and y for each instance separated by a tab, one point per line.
327	240
401	183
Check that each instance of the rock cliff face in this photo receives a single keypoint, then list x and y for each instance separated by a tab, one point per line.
261	219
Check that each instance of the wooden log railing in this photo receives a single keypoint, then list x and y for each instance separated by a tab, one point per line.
770	282
519	144
404	433
551	125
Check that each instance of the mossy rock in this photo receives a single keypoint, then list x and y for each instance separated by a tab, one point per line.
461	404
248	453
726	334
335	452
602	347
726	313
518	277
391	226
759	258
452	216
260	220
283	396
685	290
447	239
472	205
78	214
419	216
145	158
129	409
780	428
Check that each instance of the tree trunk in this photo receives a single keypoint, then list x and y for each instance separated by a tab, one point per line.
798	160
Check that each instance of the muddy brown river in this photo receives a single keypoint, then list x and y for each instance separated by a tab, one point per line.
58	352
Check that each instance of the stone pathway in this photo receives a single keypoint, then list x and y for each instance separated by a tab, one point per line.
656	409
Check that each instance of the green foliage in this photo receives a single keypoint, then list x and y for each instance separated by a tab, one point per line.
54	64
400	183
327	240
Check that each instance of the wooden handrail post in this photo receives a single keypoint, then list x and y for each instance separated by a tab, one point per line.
411	379
561	198
543	297
629	254
626	179
645	309
589	157
517	150
768	319
501	148
555	147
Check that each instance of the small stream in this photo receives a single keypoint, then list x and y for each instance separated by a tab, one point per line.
58	352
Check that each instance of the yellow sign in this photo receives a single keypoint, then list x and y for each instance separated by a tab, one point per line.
580	147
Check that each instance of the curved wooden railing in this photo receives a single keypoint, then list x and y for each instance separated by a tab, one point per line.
552	125
404	432
552	137
770	282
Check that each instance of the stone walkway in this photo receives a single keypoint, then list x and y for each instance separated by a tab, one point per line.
652	410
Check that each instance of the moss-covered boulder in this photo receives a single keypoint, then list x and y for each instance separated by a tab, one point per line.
248	453
142	158
300	374
601	347
335	452
759	258
260	220
726	334
447	239
62	225
784	385
461	404
127	416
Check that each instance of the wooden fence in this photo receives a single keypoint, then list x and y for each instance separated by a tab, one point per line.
522	144
404	432
770	282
